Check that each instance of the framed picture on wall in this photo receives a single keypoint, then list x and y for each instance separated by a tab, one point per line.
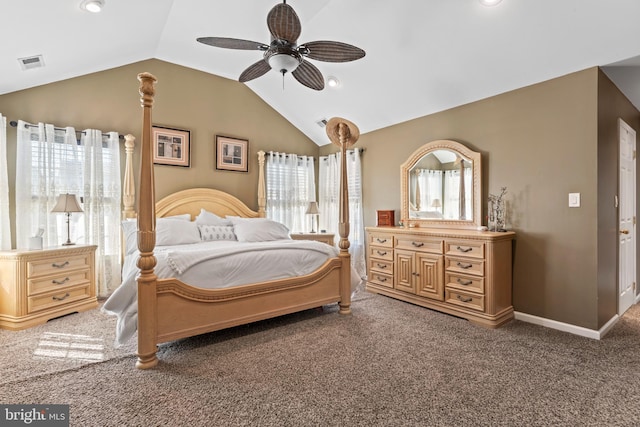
171	146
231	154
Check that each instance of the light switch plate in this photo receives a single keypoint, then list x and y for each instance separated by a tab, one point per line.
574	200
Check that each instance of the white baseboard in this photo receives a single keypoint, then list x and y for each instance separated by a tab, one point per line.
566	327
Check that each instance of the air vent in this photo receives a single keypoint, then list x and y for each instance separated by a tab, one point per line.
322	122
31	62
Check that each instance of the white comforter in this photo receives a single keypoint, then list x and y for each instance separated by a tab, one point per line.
217	264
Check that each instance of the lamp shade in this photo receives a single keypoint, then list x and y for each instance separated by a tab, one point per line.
436	203
67	203
312	209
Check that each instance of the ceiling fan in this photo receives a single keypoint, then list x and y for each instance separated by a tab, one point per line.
283	54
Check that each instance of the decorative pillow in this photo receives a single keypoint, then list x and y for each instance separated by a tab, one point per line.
217	232
259	230
209	218
170	231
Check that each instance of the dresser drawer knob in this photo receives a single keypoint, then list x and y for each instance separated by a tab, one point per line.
64	264
381	265
379	240
382	253
465	282
416	274
55	298
382	279
60	282
465	266
461	298
417	244
461	249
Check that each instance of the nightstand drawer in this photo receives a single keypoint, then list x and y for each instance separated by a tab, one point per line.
57	283
42	267
54	299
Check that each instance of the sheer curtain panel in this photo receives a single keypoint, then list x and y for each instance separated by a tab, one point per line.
5	226
329	199
290	181
52	161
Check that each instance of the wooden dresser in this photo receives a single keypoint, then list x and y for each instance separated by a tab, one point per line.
39	285
464	273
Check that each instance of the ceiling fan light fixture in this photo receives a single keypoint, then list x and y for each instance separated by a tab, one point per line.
93	6
283	62
489	2
333	81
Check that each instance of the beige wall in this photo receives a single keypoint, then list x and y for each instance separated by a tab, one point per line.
542	142
206	105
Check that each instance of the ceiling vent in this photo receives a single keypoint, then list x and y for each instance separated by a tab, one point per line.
322	122
31	62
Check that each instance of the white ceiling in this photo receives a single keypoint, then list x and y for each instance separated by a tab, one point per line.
423	56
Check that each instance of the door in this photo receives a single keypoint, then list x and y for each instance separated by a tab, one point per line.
627	218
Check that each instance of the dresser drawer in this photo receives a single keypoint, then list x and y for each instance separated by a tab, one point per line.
57	283
381	253
422	244
42	267
383	240
464	265
382	279
465	299
464	282
464	248
54	299
381	266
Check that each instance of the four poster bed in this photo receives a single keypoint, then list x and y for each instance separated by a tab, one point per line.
168	308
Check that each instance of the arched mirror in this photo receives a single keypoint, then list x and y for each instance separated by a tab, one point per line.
441	186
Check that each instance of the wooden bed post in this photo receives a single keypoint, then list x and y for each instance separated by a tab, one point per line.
128	187
147	281
262	187
344	134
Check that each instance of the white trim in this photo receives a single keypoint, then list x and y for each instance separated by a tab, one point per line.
566	327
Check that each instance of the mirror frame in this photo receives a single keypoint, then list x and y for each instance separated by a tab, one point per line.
442	144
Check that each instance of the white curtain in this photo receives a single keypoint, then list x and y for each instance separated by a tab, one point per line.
429	183
290	181
5	227
452	194
329	200
52	161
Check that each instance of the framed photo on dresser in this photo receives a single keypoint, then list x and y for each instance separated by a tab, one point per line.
231	154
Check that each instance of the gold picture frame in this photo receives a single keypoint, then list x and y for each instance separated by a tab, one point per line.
171	146
231	154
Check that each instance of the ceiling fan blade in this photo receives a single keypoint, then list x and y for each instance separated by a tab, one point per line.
254	71
228	43
329	51
309	75
283	23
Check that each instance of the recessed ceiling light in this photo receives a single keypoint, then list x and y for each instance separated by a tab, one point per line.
93	6
489	2
333	81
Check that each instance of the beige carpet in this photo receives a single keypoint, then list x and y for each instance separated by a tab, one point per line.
389	364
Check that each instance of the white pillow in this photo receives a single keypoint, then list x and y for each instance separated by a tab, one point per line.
170	231
209	218
129	229
259	230
217	232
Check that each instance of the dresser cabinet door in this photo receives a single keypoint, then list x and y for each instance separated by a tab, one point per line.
404	272
428	277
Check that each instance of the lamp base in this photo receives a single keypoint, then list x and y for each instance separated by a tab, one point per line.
68	244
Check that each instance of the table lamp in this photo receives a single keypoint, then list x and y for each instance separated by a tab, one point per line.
313	210
67	203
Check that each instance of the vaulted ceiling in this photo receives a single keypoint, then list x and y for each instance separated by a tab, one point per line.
422	56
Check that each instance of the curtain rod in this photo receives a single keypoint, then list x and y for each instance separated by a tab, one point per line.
14	124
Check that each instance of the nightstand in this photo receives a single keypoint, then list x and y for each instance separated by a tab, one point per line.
327	238
39	285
